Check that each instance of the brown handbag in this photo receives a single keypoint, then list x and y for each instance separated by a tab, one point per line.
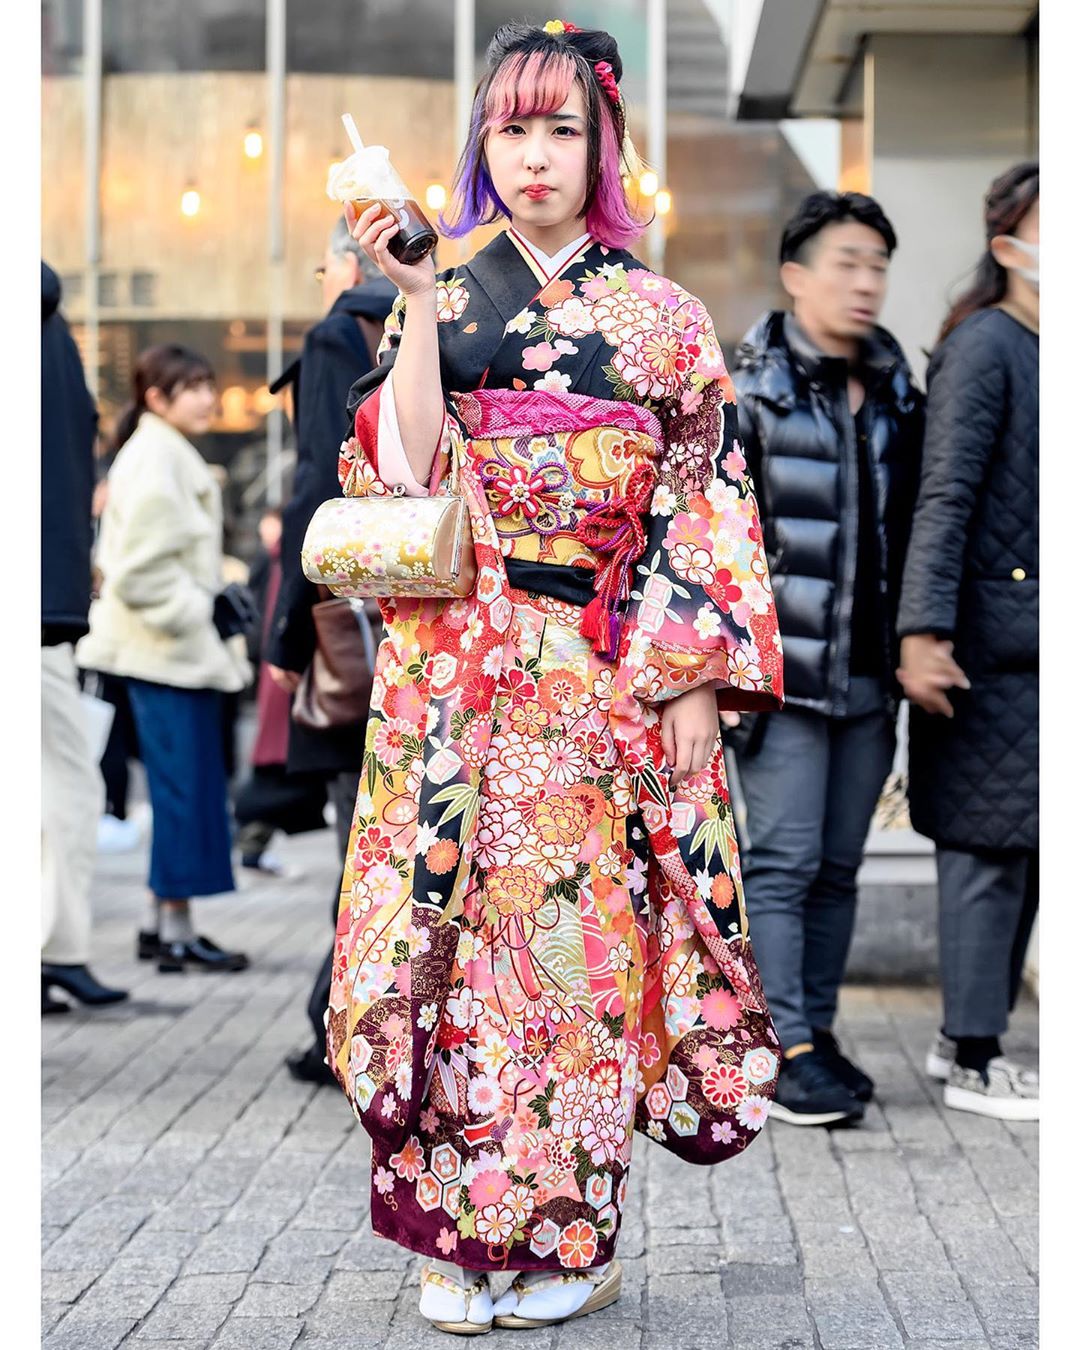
335	690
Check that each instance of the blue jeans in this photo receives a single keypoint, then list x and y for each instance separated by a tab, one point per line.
810	793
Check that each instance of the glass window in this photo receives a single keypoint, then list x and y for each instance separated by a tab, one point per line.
162	35
61	37
371	37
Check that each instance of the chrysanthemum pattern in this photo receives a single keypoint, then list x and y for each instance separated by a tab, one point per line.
539	946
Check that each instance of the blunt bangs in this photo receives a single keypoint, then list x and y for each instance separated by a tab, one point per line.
528	84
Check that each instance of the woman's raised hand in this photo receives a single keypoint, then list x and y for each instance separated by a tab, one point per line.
373	232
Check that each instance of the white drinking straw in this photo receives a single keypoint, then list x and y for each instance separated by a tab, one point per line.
352	133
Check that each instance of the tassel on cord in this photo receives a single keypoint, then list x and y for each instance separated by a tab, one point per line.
601	622
594	619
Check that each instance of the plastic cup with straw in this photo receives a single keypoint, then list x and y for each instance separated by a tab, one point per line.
368	177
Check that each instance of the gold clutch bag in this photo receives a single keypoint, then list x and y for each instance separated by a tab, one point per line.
419	547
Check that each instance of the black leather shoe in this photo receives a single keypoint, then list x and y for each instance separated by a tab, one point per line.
147	945
311	1067
51	1006
198	954
859	1084
78	981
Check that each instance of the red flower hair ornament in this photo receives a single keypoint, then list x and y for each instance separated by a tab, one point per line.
604	73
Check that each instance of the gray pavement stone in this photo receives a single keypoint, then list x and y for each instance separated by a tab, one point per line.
346	1288
192	1193
685	1260
51	1313
214	1289
259	1333
741	1281
120	1300
851	1316
74	1332
65	1286
277	1300
356	1319
769	1322
177	1322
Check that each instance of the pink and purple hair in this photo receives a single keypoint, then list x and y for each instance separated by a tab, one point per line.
530	74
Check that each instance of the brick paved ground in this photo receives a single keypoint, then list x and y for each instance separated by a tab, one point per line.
195	1196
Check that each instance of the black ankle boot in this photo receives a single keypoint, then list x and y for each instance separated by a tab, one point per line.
80	983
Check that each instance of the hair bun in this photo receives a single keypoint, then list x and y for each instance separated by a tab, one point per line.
591	43
596	45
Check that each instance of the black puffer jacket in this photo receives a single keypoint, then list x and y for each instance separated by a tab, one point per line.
973	575
798	436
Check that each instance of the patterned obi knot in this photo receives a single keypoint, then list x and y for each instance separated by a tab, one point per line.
568	479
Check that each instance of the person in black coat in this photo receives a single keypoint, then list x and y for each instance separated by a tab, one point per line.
969	624
337	351
830	424
72	791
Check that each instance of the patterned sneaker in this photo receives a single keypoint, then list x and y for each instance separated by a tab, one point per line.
1005	1091
940	1057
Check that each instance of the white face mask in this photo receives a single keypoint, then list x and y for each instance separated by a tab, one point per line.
1030	274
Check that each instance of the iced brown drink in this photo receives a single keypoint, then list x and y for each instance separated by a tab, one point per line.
368	177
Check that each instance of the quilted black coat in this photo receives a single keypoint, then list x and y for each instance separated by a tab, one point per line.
68	429
798	436
972	574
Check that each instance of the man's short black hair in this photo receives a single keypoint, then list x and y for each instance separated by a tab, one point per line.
830	208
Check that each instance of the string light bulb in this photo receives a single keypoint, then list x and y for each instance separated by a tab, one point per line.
435	196
253	144
663	202
190	202
648	183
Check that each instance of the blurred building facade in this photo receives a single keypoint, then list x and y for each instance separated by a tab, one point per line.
932	100
185	146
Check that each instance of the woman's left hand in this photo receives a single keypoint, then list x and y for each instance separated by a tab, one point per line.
690	726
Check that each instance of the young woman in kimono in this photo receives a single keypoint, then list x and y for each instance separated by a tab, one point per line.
541	942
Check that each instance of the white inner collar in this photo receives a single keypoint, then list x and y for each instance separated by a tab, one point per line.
552	263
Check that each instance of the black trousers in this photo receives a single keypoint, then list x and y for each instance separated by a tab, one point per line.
342	792
987	907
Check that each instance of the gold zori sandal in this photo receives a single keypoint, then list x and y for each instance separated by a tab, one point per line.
463	1328
608	1288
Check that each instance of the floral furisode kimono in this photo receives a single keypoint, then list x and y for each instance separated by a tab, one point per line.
540	947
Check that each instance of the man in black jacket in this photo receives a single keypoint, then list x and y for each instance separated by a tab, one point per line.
337	351
72	791
830	425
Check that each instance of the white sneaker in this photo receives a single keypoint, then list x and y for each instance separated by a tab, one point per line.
117	836
1007	1092
940	1057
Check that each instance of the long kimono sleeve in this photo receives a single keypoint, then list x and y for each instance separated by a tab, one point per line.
701	608
372	461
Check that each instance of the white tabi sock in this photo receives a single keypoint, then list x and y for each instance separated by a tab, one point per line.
439	1304
551	1304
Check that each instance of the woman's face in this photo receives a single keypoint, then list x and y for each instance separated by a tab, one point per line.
190	410
538	164
1018	253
